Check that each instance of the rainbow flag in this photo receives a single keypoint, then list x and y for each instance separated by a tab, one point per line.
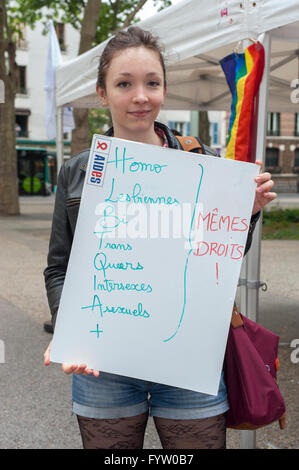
243	73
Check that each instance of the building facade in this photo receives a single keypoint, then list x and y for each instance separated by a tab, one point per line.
282	150
31	58
186	123
35	152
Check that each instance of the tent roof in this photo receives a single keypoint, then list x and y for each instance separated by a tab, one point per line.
193	49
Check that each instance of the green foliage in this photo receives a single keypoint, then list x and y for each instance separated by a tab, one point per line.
30	11
281	215
112	15
98	120
281	224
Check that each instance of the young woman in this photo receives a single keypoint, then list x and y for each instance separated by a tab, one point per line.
112	410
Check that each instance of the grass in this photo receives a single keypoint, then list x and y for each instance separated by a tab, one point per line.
280	224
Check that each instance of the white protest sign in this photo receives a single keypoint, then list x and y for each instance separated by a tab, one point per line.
155	263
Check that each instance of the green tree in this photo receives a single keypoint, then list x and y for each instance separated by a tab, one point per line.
112	16
98	119
96	20
13	16
8	71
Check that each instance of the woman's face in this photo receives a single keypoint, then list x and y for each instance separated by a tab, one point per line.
134	92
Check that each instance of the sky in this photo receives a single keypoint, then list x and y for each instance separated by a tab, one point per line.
149	9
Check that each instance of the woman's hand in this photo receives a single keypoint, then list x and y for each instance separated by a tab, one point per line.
263	194
70	368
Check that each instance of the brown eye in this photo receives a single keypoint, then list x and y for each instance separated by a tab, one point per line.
154	83
123	84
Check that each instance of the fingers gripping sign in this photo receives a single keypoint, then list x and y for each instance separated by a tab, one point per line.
70	368
263	193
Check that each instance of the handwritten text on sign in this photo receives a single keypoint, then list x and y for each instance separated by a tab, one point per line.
155	263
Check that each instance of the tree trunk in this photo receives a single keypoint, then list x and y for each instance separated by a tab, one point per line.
9	198
132	15
204	127
88	32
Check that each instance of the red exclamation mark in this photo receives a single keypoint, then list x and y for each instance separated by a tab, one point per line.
217	273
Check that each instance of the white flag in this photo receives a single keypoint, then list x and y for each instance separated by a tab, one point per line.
54	59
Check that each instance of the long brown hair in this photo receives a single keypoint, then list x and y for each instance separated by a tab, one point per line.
133	37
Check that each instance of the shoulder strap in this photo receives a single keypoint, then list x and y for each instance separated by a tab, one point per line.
190	144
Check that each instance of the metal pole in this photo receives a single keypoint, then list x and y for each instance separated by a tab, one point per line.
59	138
252	261
194	123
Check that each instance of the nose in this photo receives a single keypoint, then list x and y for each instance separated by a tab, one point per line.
140	95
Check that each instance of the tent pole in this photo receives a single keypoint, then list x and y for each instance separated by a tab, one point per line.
59	138
252	260
194	123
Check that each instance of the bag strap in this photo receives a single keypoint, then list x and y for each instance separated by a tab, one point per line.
190	144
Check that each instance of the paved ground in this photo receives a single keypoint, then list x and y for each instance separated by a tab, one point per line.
35	401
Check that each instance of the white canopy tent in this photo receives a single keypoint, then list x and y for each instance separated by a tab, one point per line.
196	35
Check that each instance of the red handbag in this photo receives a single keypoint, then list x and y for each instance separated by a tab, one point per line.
250	370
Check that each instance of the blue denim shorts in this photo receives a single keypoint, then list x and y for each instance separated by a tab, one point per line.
111	396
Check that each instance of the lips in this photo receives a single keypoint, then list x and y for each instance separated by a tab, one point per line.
140	113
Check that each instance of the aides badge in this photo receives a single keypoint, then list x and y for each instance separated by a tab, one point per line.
99	156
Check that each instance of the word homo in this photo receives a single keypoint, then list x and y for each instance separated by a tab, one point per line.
214	222
109	285
137	197
136	312
135	166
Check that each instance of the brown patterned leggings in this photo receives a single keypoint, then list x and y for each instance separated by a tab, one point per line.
128	433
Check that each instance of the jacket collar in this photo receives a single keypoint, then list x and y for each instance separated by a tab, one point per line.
171	139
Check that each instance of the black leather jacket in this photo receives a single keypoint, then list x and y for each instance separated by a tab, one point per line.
68	196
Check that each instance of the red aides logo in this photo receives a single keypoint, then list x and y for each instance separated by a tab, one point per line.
99	156
102	145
